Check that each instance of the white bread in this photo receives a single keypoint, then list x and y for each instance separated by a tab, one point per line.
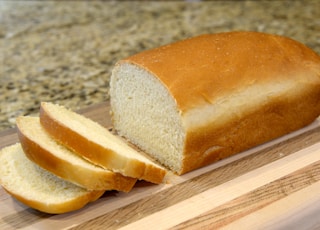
96	144
196	101
47	153
38	188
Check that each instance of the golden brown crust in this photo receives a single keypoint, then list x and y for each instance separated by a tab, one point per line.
92	180
277	118
97	153
199	71
225	62
59	208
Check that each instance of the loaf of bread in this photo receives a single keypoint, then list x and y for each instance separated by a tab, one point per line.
96	144
196	101
38	188
43	150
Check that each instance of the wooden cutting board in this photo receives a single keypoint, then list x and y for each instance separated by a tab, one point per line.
272	186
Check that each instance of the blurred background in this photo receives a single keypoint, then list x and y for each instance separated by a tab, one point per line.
64	51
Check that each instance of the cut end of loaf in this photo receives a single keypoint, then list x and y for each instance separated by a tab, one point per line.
153	122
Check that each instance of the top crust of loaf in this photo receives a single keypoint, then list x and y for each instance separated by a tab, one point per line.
260	59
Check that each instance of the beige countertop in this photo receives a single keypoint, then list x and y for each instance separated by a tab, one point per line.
64	51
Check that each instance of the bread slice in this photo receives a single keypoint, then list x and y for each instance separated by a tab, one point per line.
202	99
47	153
38	188
96	144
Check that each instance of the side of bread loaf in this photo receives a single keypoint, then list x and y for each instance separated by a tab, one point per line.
96	144
196	101
42	149
38	188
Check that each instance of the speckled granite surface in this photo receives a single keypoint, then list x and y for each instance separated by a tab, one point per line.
64	51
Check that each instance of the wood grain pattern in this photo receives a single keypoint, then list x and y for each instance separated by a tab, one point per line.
272	186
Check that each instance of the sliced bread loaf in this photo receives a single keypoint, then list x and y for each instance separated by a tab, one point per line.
202	99
96	144
38	188
47	153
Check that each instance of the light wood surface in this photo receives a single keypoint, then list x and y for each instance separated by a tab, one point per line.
273	186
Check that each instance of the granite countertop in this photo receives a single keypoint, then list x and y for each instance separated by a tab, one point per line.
64	51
